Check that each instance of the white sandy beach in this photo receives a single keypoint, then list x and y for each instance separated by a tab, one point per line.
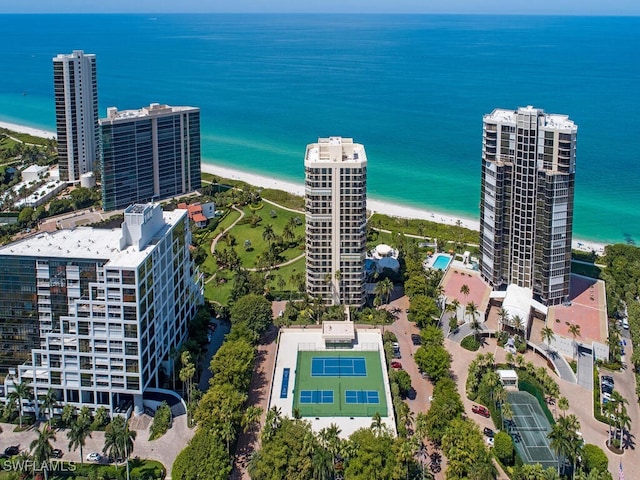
378	206
36	132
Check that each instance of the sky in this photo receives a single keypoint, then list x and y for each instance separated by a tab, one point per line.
527	7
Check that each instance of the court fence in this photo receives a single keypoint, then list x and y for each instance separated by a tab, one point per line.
529	388
359	347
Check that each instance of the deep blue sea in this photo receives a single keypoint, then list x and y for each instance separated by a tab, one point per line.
411	88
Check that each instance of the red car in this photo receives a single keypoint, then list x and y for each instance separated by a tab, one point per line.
397	365
480	410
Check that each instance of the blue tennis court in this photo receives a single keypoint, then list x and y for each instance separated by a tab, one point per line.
316	396
361	396
338	367
285	383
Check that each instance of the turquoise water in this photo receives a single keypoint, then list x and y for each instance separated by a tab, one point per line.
442	261
412	89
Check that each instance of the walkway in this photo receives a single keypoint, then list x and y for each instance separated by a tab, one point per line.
214	242
562	366
585	368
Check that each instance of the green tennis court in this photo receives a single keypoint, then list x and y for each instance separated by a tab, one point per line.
354	378
529	429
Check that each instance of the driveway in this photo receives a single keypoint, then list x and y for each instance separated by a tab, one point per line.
165	449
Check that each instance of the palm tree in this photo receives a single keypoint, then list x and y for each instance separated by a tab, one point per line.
48	402
384	289
609	410
519	324
376	424
563	405
21	391
559	442
503	317
472	310
251	418
575	331
77	435
187	372
268	235
464	290
406	451
507	412
118	440
548	336
42	449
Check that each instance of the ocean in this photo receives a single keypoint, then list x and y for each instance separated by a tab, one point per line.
411	88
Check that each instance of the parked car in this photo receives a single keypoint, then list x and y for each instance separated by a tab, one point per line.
396	365
488	432
607	379
94	457
480	410
605	388
395	345
57	453
415	338
396	354
12	450
490	441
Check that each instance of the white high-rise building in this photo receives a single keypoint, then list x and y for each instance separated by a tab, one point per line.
76	98
336	216
526	205
101	308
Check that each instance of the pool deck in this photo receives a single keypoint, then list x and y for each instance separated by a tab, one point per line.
479	290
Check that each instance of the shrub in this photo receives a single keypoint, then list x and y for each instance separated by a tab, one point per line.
594	458
470	343
161	421
503	448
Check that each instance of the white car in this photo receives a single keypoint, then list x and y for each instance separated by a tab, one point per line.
490	441
94	457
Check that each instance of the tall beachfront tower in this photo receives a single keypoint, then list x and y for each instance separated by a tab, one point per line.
526	204
149	154
76	98
97	312
336	215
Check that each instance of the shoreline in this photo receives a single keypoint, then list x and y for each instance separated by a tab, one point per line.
377	206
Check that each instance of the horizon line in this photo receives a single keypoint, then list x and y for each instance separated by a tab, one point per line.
479	14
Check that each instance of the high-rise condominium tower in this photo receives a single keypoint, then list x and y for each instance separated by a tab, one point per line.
526	208
93	314
149	154
76	97
336	214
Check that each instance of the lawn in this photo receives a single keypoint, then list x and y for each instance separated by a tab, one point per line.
287	273
245	231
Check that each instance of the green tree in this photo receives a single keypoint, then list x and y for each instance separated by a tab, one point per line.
471	309
464	290
187	372
594	458
233	364
204	457
78	434
48	402
548	336
371	456
431	335
503	447
384	288
41	448
268	235
21	392
119	440
433	361
467	455
422	311
254	311
25	216
574	330
402	379
287	453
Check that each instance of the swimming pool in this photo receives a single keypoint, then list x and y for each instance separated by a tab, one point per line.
442	261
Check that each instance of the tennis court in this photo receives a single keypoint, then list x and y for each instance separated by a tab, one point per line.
338	367
316	396
344	384
529	429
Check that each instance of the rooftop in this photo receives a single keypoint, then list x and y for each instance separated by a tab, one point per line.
154	109
334	149
552	120
87	243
